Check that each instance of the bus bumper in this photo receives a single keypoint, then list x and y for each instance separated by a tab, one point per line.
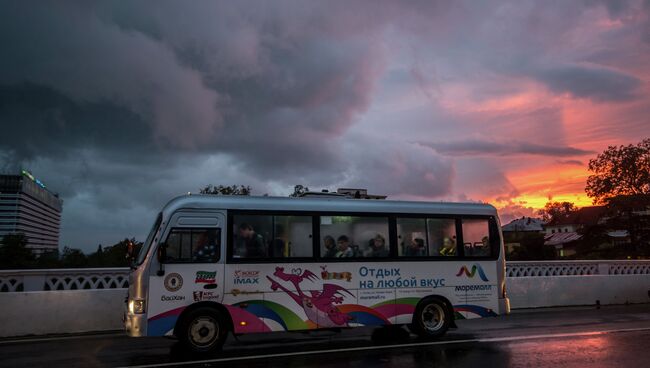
135	325
504	306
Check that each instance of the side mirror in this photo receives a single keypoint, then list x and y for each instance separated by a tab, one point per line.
162	256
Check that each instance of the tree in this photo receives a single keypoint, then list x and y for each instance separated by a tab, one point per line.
226	190
14	252
73	258
299	190
555	211
622	170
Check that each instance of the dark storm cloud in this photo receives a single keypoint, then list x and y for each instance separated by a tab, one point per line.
121	105
598	84
476	147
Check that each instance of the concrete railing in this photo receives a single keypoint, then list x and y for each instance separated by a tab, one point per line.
63	279
576	268
81	300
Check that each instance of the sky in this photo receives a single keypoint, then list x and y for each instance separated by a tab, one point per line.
121	106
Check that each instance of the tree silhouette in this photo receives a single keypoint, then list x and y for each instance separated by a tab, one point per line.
226	190
620	170
555	211
299	190
14	252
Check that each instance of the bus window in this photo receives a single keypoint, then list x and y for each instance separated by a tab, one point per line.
354	237
411	237
267	236
476	237
292	237
251	235
193	246
442	237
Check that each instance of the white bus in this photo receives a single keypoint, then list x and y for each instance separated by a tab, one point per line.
218	264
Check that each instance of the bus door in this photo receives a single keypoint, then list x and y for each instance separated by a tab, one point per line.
188	268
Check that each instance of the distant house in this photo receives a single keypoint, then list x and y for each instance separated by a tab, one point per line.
585	216
524	224
564	233
520	230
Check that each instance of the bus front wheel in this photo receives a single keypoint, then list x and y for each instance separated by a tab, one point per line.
203	330
431	318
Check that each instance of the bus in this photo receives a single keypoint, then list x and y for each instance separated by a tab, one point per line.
214	265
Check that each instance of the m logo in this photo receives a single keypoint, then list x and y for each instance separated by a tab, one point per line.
470	274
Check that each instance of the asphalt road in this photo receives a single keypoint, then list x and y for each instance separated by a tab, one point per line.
567	337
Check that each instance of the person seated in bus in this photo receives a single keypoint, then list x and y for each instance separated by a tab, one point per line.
416	248
277	247
344	250
206	249
377	247
330	247
249	243
448	247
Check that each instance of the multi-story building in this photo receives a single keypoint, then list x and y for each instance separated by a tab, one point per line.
28	207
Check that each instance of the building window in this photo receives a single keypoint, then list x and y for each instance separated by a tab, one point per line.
354	237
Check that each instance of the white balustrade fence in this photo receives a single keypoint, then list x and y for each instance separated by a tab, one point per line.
63	279
92	299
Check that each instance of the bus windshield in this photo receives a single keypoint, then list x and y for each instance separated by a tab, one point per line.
147	244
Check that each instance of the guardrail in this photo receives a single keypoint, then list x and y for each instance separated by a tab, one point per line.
92	299
63	279
577	268
118	277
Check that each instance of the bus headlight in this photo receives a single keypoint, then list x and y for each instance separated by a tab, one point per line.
136	306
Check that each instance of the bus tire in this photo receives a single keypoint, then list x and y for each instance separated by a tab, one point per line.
203	330
431	318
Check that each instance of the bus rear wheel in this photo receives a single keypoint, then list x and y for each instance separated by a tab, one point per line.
431	318
203	331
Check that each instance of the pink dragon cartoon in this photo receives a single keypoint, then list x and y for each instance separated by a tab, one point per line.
319	305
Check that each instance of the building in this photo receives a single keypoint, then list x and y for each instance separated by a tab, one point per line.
524	224
28	207
521	230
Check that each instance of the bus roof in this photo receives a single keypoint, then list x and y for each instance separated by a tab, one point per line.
332	204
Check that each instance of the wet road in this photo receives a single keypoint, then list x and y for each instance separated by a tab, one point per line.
568	337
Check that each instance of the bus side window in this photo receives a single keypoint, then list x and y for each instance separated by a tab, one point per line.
442	237
411	237
476	237
193	246
354	237
252	235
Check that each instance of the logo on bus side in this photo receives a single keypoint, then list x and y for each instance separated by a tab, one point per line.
325	275
173	282
476	267
204	295
246	277
205	277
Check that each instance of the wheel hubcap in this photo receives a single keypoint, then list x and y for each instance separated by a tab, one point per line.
433	317
204	331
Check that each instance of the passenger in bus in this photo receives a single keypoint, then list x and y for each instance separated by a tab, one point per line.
448	247
278	246
344	250
206	250
330	247
416	248
378	247
249	243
